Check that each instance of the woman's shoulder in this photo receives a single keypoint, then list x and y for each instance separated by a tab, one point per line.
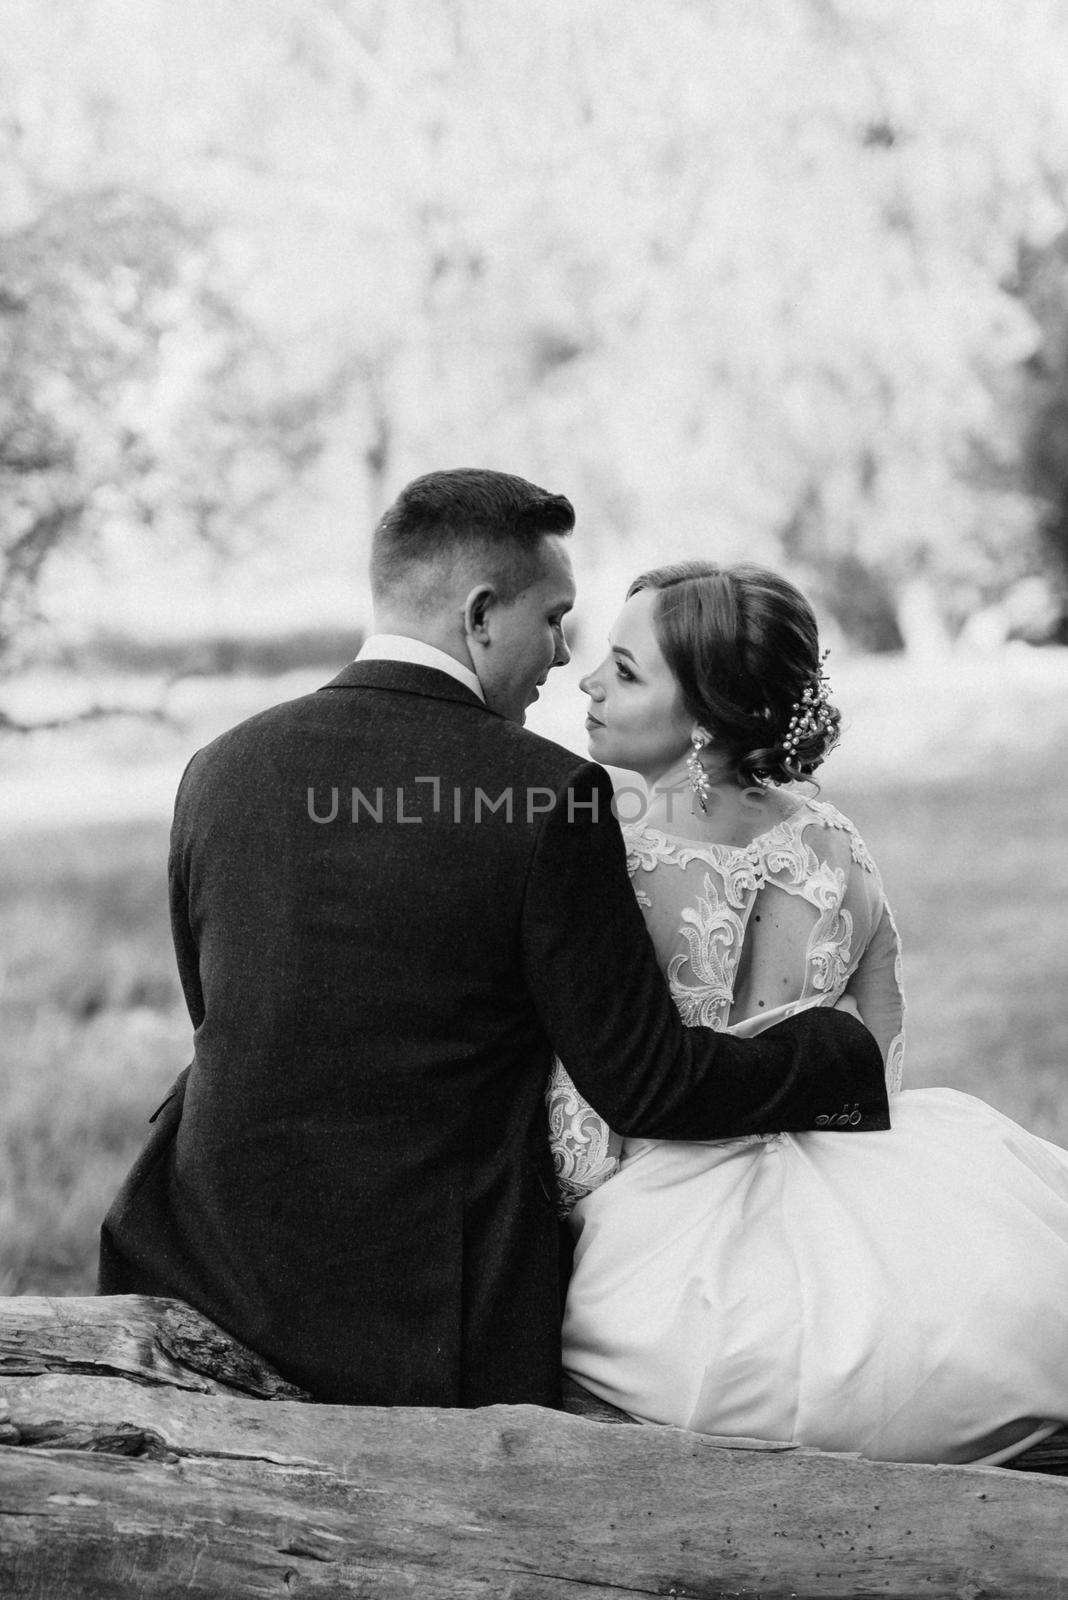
649	846
822	814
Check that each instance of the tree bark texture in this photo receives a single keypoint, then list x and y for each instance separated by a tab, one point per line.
133	1464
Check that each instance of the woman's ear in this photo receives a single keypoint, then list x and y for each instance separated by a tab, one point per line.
699	734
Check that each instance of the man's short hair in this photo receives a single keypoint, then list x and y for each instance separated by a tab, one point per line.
444	516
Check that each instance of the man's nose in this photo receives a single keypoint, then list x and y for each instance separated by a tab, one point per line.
563	654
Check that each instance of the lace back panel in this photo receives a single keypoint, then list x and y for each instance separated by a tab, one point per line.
746	937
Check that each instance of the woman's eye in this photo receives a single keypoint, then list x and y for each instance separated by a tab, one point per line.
624	672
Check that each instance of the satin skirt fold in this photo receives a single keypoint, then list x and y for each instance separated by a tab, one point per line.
903	1295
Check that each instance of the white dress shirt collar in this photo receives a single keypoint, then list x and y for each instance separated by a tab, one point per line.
398	647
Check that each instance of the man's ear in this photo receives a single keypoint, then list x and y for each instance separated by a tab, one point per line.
477	608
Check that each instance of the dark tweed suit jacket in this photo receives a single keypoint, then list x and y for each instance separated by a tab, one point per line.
353	1176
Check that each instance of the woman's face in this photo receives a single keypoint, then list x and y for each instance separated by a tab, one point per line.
636	715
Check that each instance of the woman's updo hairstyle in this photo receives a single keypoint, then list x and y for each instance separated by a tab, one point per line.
743	645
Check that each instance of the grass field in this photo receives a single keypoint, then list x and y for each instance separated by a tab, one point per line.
93	1028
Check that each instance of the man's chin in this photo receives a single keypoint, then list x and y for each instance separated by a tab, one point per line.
533	699
518	712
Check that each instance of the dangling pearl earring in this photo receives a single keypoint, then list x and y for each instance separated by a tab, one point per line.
698	776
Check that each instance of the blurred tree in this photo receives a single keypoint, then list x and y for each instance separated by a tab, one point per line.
739	279
1043	285
131	396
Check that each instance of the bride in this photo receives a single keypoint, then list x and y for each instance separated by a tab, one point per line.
900	1294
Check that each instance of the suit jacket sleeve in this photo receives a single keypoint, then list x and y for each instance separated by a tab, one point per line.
186	949
607	1010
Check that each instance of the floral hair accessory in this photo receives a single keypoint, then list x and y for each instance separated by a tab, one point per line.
811	716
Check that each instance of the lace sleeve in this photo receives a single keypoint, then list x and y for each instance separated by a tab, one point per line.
585	1151
877	988
865	963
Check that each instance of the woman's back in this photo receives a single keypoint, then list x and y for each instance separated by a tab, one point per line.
748	934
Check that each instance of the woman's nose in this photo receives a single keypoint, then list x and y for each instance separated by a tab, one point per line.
590	685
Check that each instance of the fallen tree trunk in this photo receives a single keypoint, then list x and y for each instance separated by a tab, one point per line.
148	1455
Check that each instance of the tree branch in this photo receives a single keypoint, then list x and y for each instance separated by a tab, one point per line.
93	713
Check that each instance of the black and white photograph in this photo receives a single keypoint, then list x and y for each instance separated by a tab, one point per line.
533	804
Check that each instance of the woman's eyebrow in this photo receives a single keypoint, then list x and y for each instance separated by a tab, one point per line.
620	650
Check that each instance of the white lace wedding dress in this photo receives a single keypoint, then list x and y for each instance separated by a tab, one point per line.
900	1294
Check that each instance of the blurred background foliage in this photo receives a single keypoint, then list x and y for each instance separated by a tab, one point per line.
784	281
787	281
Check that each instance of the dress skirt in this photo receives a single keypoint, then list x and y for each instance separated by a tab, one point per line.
899	1294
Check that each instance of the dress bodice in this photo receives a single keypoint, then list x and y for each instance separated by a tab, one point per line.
747	936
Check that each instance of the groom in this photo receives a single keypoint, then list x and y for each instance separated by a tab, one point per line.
391	904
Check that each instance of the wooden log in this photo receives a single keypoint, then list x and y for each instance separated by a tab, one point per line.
581	1403
1049	1456
142	1483
148	1340
237	1497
